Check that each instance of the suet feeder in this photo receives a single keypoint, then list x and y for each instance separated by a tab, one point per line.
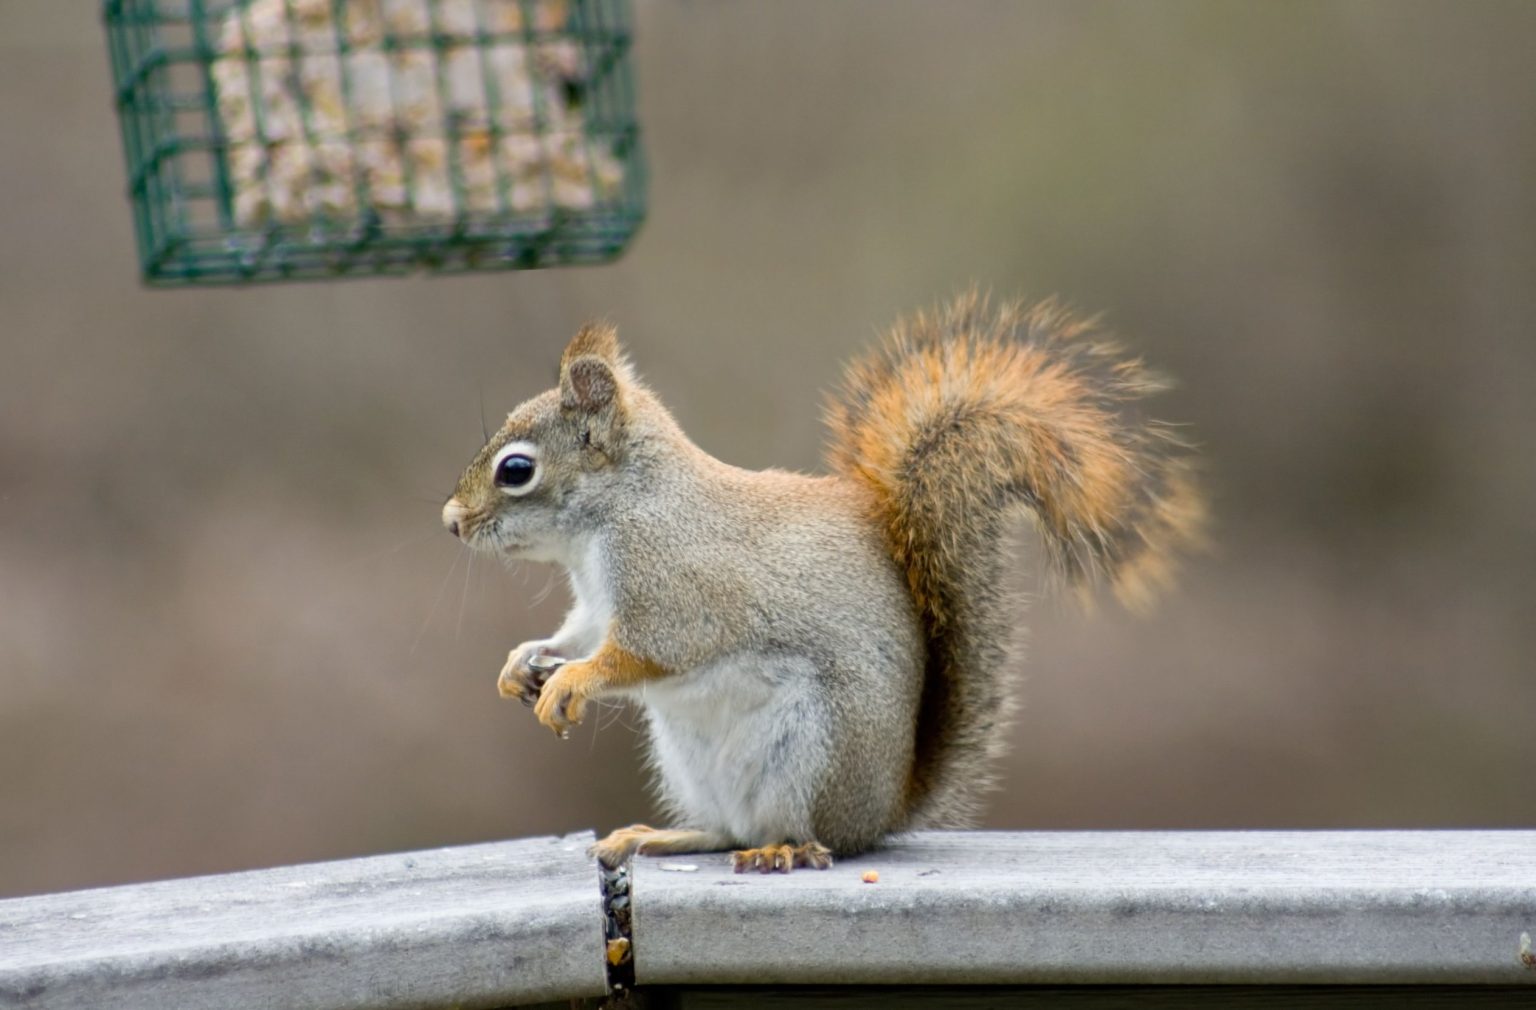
307	139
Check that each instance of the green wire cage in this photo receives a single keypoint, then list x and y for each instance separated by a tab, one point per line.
293	139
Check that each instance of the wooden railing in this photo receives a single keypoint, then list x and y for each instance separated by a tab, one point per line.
525	922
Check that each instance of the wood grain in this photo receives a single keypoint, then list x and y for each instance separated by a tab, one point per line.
1118	907
479	926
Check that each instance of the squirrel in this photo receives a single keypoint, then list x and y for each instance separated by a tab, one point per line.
824	660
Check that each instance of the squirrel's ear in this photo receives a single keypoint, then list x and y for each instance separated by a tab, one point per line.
591	390
593	375
588	384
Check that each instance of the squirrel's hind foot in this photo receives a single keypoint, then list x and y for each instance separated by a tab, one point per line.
619	845
782	858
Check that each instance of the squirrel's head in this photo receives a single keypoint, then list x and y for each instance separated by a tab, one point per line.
541	479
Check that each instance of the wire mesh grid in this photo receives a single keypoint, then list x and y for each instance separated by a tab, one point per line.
293	139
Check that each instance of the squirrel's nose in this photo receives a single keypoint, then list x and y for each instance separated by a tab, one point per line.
453	512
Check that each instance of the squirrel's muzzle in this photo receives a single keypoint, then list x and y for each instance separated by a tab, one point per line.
453	516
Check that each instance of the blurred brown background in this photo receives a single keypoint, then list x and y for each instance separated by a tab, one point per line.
232	633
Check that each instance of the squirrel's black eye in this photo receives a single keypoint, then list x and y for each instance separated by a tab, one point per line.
515	470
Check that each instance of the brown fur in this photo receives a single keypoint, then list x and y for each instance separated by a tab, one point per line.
598	340
620	844
964	416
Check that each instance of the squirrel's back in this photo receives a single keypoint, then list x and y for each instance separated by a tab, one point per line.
965	417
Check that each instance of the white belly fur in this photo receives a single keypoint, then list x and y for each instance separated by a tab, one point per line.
740	747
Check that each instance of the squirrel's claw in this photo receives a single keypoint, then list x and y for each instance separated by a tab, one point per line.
527	668
782	858
562	701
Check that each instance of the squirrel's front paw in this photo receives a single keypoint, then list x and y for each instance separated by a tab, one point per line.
563	698
528	667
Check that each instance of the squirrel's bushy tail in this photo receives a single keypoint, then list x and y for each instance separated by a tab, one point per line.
965	416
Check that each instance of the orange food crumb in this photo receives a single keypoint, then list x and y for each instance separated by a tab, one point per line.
871	877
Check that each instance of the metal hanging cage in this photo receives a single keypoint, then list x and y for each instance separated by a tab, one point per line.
300	139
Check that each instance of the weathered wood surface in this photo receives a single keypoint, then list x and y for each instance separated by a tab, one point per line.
1096	997
521	922
1125	907
479	926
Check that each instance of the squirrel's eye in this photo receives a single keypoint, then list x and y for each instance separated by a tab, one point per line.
515	471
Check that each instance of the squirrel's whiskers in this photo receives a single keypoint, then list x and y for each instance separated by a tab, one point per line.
437	600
